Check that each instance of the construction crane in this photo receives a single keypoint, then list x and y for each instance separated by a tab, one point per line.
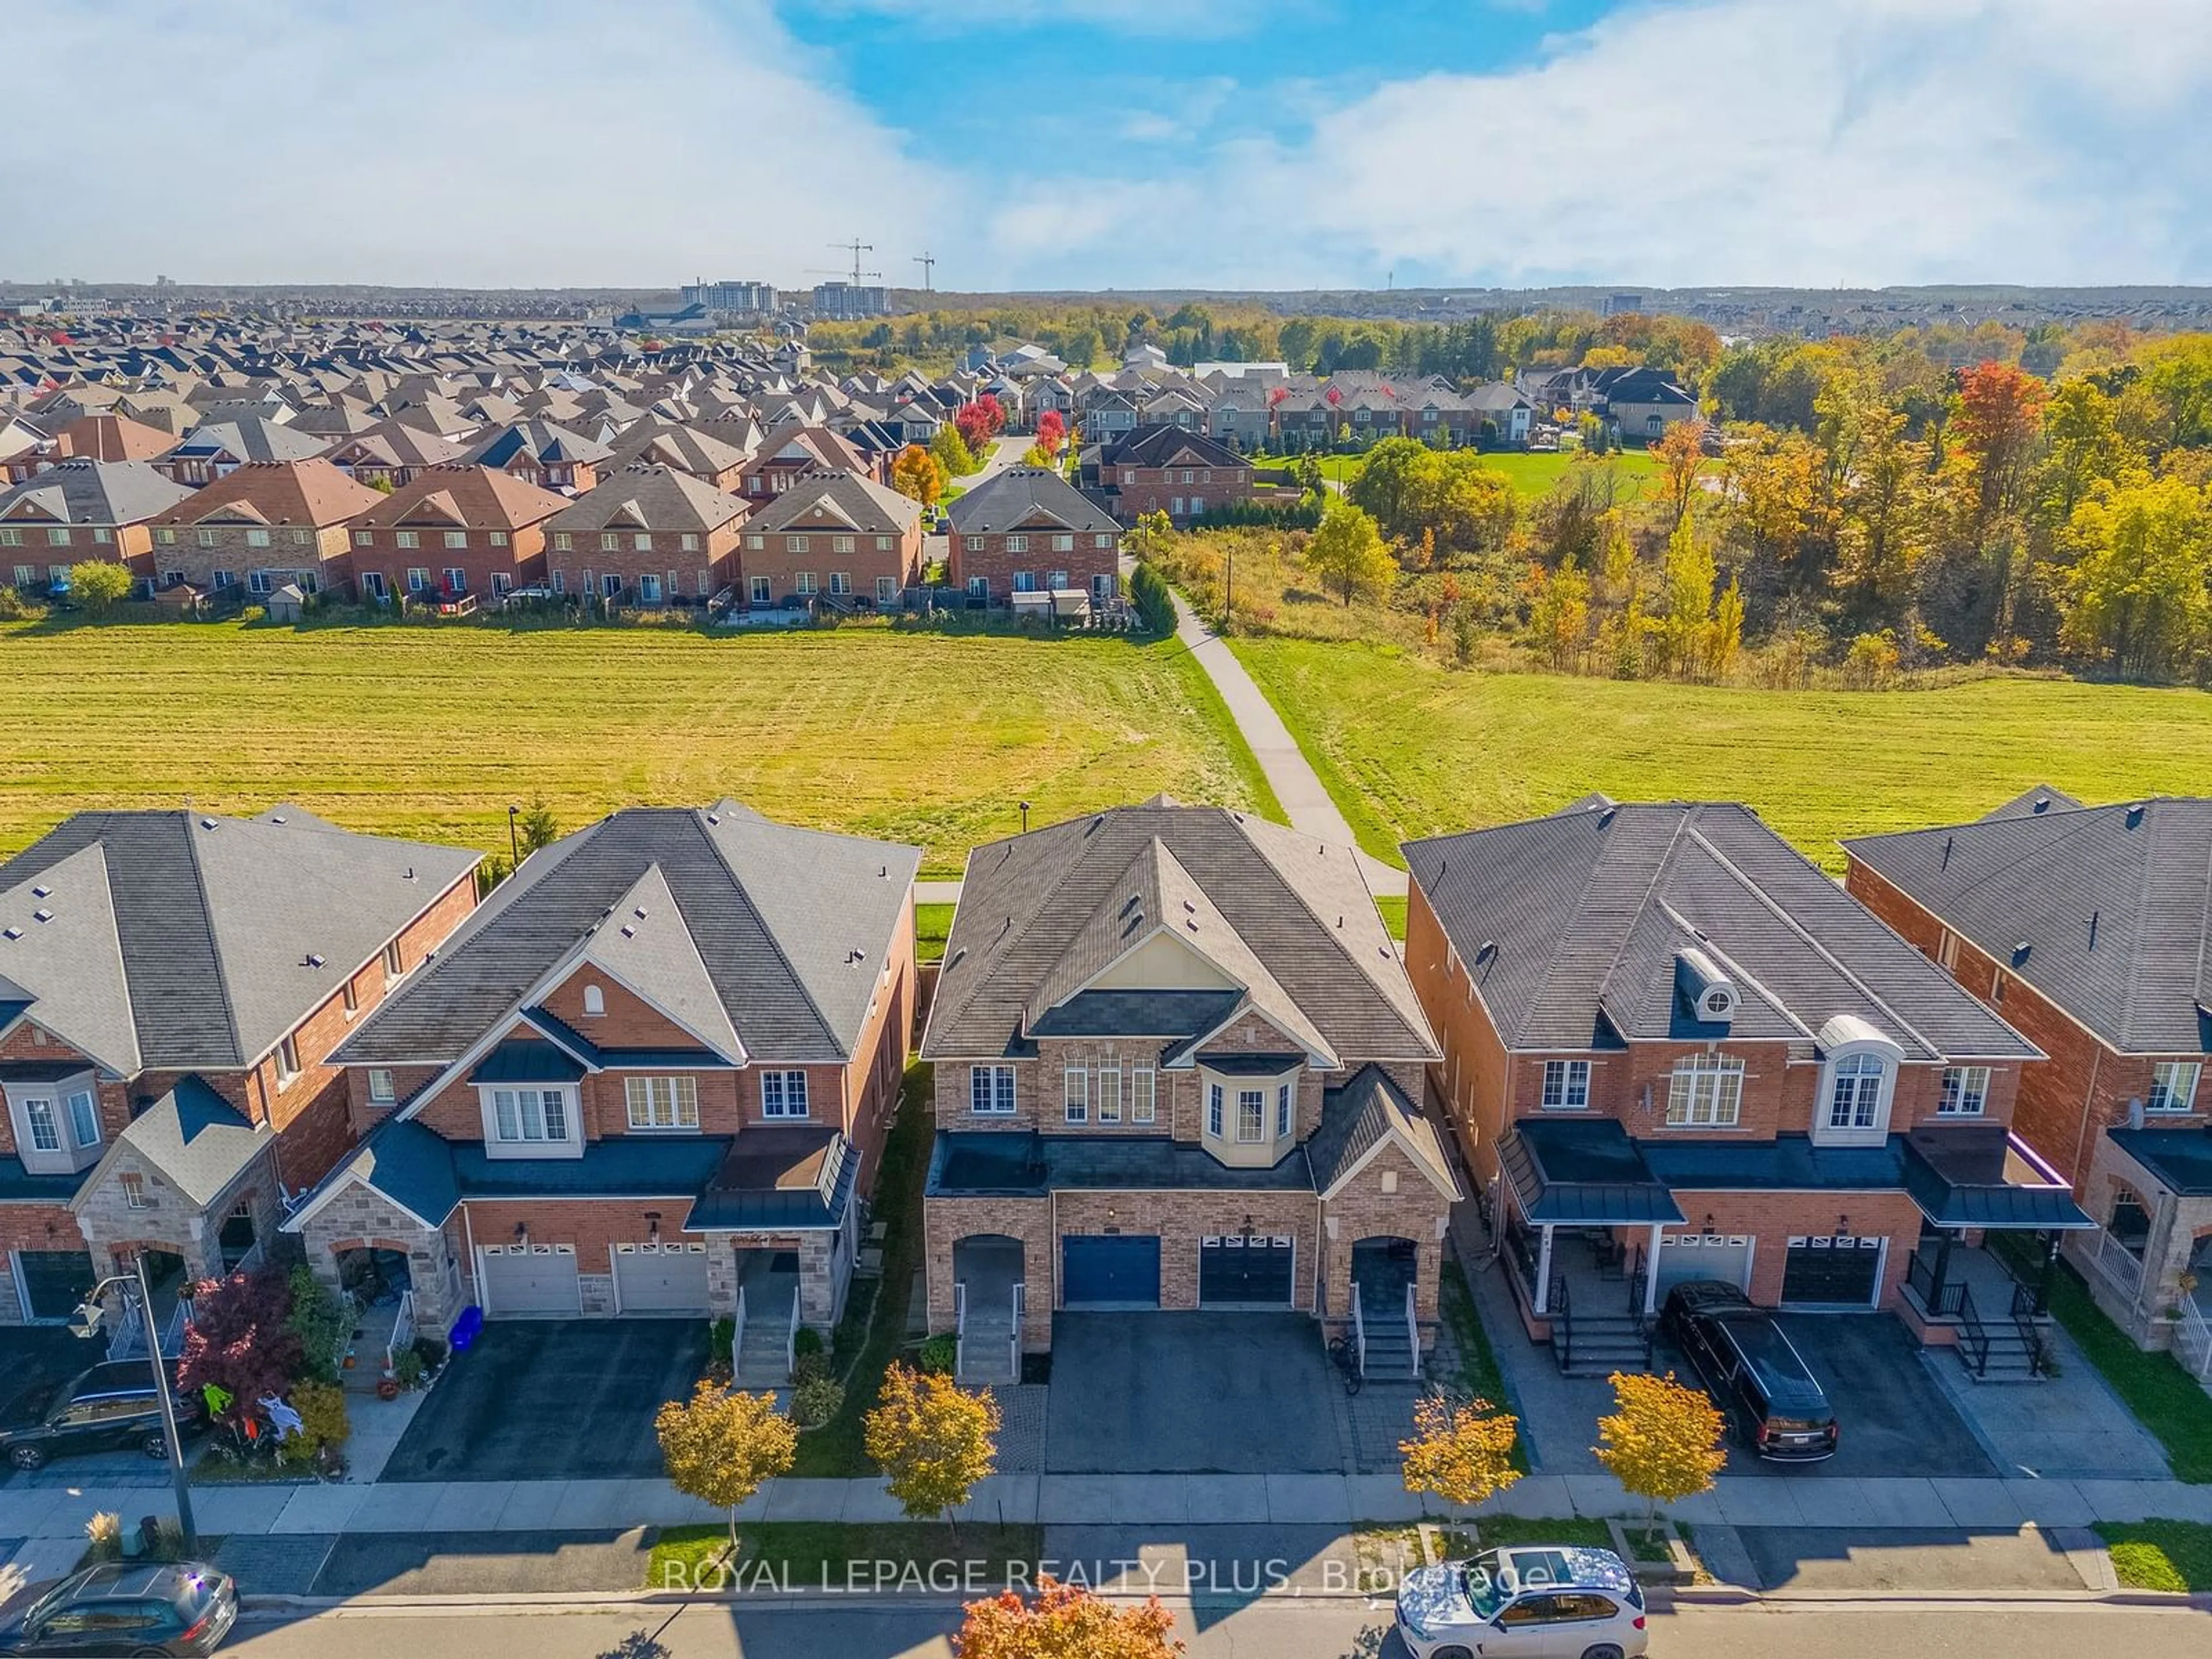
928	264
856	247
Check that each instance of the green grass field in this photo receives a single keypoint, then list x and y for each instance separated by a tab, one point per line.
1409	749
1533	475
432	731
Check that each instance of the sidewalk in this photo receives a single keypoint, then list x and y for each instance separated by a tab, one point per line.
1793	1501
1289	774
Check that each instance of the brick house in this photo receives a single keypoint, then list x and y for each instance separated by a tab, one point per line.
1176	1063
215	449
656	442
1674	1049
792	453
1172	470
2086	928
1027	530
654	1075
392	453
170	986
264	524
838	536
646	536
551	457
451	531
76	510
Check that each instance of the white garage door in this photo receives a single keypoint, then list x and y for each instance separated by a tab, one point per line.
525	1281
670	1277
1707	1255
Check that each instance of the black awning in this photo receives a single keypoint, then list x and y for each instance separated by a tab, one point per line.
1582	1172
1978	1175
527	1060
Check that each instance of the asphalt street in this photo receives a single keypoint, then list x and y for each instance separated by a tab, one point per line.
1269	1629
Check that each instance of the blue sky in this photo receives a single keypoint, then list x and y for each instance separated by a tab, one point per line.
1094	143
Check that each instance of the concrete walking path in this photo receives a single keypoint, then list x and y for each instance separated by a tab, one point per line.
1174	1500
1289	774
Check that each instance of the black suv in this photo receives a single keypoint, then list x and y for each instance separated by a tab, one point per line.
182	1610
1753	1372
111	1406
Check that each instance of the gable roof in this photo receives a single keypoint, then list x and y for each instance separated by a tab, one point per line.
92	493
538	440
1574	927
1166	444
1026	495
480	495
112	438
176	940
198	1140
779	933
2113	906
650	497
1041	913
849	499
305	493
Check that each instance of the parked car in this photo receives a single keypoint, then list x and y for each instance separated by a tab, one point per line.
123	1606
1753	1370
1565	1601
113	1405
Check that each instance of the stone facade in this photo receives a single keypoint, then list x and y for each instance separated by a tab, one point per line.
166	1219
2179	1223
359	1218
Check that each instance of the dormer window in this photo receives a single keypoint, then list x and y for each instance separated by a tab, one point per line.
1855	1100
1857	1083
595	999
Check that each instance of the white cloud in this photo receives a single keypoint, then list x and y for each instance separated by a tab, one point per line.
1184	19
563	142
1801	142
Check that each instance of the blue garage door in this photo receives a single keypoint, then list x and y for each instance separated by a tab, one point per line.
1103	1267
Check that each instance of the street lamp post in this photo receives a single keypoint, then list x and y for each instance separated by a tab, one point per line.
87	1324
514	841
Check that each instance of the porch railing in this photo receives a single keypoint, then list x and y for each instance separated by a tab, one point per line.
2192	1342
959	1327
1639	1271
738	1333
1412	1333
791	1336
1522	1253
1014	1338
1973	1335
2121	1268
1920	1279
403	1332
129	1339
1358	1330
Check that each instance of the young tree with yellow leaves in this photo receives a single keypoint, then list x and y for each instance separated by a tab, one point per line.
720	1444
916	475
1066	1621
1461	1451
932	1439
1681	453
1662	1443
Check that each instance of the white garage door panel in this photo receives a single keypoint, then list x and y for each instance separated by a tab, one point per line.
1692	1255
665	1277
531	1280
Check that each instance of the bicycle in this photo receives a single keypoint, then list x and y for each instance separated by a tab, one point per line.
1346	1361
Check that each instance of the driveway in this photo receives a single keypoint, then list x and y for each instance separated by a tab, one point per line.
1896	1419
1190	1393
553	1399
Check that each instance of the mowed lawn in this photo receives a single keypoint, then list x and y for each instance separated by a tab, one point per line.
432	732
1534	473
1411	749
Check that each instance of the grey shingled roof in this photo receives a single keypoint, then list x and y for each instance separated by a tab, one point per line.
773	933
1027	497
198	1140
2114	904
1583	914
177	940
649	498
91	493
1030	902
831	500
1367	1109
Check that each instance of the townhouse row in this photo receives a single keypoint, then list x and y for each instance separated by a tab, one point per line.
1177	1062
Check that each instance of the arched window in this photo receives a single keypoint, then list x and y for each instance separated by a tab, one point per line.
595	999
1855	1102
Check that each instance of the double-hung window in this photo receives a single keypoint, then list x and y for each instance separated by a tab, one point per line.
2172	1087
530	1115
991	1091
1566	1084
1214	1102
1110	1092
45	1128
1706	1092
1078	1095
662	1103
1251	1115
382	1086
1140	1094
1965	1089
783	1094
1283	1095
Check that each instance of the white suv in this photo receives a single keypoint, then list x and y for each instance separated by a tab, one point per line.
1563	1601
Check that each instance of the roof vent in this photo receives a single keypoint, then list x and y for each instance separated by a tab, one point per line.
1487	949
1712	995
11	932
882	873
42	892
629	932
310	960
207	823
277	818
639	913
713	817
410	875
2041	804
1191	908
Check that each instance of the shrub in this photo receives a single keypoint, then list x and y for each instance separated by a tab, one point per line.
168	1538
407	1369
13	607
806	1341
816	1400
322	1409
105	1530
810	1367
940	1354
1148	591
721	1334
321	1322
431	1351
99	585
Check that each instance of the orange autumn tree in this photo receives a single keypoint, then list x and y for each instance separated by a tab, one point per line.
1461	1451
1065	1621
1999	418
1681	453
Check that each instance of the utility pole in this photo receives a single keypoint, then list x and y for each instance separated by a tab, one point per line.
928	264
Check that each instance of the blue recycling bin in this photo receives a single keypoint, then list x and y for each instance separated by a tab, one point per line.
466	1328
